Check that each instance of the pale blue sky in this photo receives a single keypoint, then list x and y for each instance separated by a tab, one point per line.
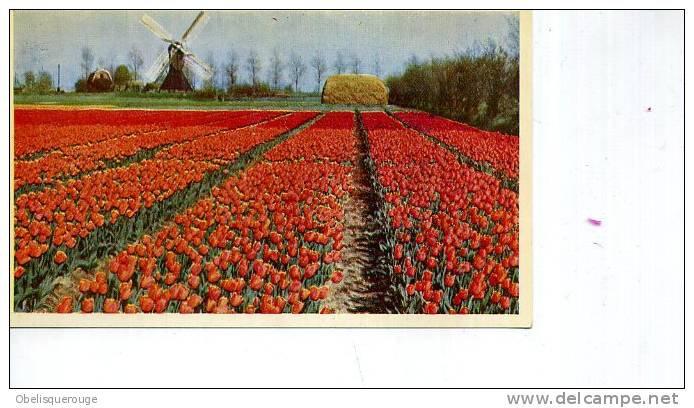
43	39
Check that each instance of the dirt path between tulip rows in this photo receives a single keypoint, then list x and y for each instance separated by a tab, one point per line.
361	290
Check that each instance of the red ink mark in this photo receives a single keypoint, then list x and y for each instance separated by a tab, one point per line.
597	223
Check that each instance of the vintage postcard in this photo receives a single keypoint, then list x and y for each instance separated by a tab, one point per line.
289	168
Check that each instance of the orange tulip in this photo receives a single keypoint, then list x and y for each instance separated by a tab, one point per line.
184	308
60	257
100	277
160	305
236	300
84	285
323	292
194	301
297	307
125	290
213	292
65	305
193	281
87	305
111	305
94	286
146	304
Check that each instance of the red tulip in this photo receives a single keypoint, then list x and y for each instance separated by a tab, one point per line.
160	305
84	285
297	307
184	308
193	281
337	276
397	252
194	301
60	257
213	292
236	300
111	305
146	304
65	305
87	305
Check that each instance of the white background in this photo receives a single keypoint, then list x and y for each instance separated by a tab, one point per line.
608	300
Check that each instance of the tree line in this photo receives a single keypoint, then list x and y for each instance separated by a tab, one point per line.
481	90
277	73
281	72
479	86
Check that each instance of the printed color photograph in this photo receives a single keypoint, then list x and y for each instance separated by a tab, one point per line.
205	168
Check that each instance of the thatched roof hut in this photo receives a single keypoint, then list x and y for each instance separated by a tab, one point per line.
354	89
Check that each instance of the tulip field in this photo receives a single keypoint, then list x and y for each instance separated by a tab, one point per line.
246	211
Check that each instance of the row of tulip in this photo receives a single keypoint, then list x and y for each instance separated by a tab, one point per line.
77	222
38	131
73	160
24	116
265	241
451	231
225	146
331	138
498	150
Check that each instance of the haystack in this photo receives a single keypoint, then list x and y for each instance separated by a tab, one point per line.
354	89
100	81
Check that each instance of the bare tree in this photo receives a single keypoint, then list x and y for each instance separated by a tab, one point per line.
276	68
108	66
232	69
356	64
340	64
253	66
87	61
377	70
512	38
211	82
297	68
135	62
320	66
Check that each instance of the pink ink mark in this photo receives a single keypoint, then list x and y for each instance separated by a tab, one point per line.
592	221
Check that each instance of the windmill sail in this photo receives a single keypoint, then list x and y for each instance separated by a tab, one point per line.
201	69
156	29
194	28
157	67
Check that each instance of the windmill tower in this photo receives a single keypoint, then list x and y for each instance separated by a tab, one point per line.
176	57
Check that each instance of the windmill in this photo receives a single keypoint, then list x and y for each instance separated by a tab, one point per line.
177	56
